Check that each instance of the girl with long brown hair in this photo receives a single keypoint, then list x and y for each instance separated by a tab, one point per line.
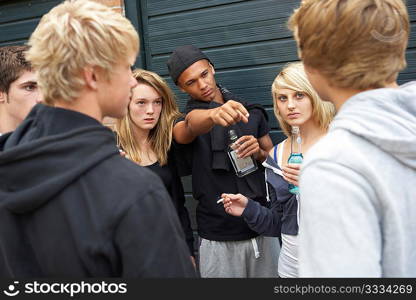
145	135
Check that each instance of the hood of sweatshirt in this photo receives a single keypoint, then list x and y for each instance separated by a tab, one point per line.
386	118
52	148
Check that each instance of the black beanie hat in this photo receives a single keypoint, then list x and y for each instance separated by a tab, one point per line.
181	58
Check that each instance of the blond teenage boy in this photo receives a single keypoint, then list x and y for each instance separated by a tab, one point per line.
358	214
70	205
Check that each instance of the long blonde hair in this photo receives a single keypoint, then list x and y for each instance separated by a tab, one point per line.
293	77
160	137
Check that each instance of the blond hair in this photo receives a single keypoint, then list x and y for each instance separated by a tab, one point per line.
293	77
355	44
160	137
75	35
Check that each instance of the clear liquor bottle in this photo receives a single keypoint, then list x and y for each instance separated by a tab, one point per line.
242	166
296	156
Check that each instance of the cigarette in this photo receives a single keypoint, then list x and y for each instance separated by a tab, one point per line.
220	200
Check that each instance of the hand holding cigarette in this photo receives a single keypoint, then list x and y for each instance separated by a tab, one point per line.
234	204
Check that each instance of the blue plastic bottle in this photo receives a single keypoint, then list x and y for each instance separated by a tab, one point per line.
296	156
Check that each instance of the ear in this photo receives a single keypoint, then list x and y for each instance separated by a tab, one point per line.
316	75
212	68
309	69
179	85
90	77
3	97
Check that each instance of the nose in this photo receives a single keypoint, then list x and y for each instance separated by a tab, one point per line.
39	97
291	103
149	109
202	84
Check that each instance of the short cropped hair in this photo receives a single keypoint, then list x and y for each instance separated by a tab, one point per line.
74	35
293	77
160	136
12	65
356	44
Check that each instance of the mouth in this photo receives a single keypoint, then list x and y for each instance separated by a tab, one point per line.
293	115
149	120
207	93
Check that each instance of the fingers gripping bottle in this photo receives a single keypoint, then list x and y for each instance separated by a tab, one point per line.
242	166
296	156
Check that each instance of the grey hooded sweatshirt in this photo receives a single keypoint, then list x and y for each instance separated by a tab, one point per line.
358	190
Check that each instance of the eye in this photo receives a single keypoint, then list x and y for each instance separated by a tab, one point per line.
204	74
282	98
30	87
158	102
140	102
299	95
189	83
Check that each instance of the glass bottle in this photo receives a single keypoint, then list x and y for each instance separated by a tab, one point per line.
296	156
242	166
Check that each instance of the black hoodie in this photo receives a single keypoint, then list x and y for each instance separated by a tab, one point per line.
70	205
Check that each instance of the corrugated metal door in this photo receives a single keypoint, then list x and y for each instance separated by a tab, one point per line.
19	18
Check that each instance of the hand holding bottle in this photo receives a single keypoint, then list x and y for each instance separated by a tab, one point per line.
291	173
247	145
242	165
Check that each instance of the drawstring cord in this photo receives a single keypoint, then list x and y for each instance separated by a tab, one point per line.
255	247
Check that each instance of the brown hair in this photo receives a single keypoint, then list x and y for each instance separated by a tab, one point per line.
12	65
357	44
160	136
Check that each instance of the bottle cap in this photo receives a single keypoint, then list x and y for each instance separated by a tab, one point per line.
295	130
232	133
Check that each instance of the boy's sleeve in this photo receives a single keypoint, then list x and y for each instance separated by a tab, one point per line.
263	127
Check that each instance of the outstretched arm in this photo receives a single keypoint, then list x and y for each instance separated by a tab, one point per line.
201	121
